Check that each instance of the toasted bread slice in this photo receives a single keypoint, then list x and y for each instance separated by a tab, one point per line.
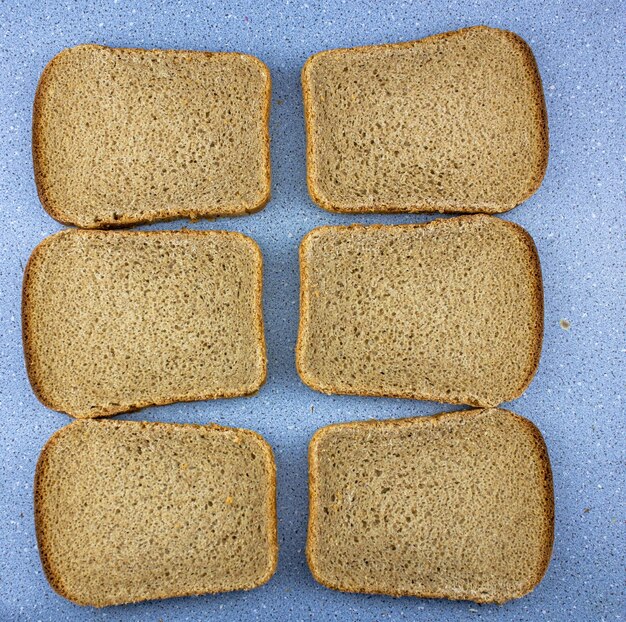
450	311
458	506
117	320
451	123
125	136
128	511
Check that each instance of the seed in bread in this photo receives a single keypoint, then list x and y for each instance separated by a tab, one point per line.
117	320
123	136
451	123
128	511
457	506
450	311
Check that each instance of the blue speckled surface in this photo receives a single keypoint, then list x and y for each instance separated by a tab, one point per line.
576	218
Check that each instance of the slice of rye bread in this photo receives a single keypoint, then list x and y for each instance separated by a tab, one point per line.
458	505
125	136
452	123
128	511
117	320
450	311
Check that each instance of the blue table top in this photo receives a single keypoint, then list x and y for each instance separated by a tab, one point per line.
576	219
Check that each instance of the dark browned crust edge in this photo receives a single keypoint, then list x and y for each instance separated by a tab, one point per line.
450	207
543	459
56	582
38	384
56	209
534	270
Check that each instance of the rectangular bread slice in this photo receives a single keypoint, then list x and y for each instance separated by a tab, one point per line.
458	506
124	136
128	511
450	311
117	320
452	123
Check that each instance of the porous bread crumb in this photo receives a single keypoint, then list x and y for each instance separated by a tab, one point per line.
123	136
450	311
458	506
117	522
117	320
452	123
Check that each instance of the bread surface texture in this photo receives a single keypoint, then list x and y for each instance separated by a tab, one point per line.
125	136
117	320
450	311
455	122
128	511
457	506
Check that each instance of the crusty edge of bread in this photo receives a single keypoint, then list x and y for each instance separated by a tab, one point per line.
534	272
56	581
435	206
543	459
57	209
38	385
